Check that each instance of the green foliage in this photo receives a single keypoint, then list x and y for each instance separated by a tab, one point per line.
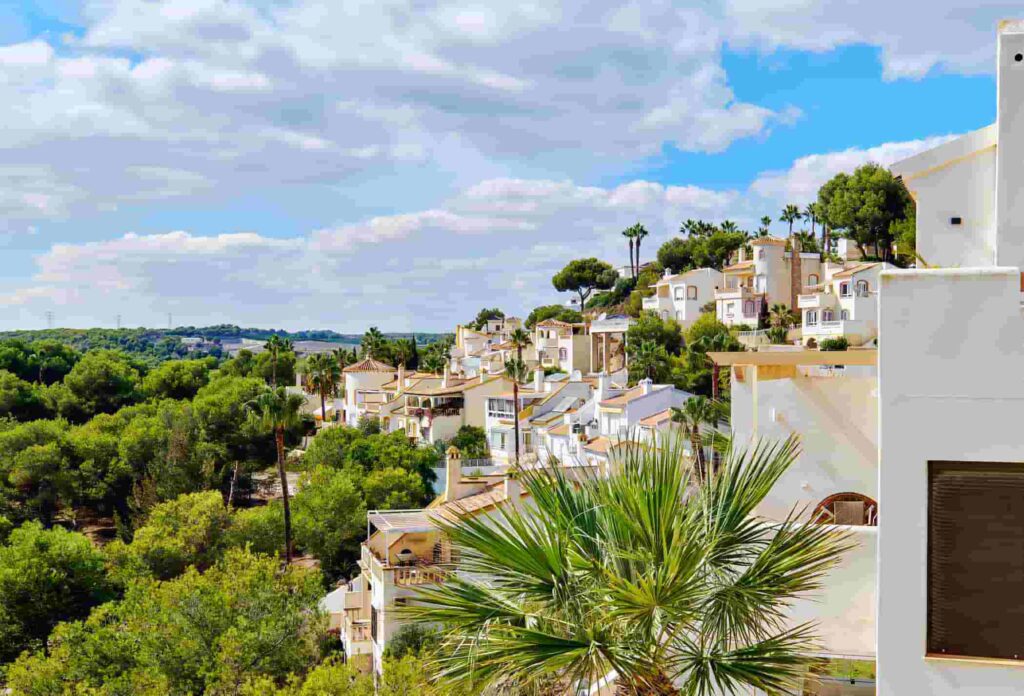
648	277
554	311
259	528
863	206
834	344
693	370
19	399
176	379
648	360
619	293
220	410
704	246
411	639
330	519
471	441
485	315
46	576
187	531
31	463
244	618
583	276
264	367
393	489
330	447
663	332
777	335
101	382
599	573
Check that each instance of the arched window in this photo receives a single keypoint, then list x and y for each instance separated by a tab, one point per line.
844	315
854	509
760	253
812	279
862	288
827	315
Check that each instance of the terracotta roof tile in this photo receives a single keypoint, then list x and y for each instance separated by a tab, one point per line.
846	273
369	365
657	418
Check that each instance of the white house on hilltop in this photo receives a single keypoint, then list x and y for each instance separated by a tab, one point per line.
680	296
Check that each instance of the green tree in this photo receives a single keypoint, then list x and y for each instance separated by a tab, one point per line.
393	489
704	246
405	352
697	412
258	528
330	519
555	311
694	371
323	378
790	214
101	382
637	573
583	276
864	206
187	531
647	360
280	369
630	234
244	618
276	410
485	315
520	339
516	371
330	447
52	360
220	409
176	379
650	327
19	399
275	347
765	228
471	441
374	344
641	233
46	576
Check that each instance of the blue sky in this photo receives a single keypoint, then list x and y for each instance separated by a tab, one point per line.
311	164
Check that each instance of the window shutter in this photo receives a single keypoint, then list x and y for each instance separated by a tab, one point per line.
976	559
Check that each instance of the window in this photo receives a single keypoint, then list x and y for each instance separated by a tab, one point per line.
759	283
730	309
826	315
811	317
563	354
760	253
845	315
679	316
664	314
812	279
844	289
679	292
975	559
691	292
748	308
862	288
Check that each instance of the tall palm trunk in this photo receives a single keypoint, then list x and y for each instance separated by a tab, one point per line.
637	273
279	439
632	266
698	452
273	369
515	409
234	483
323	408
825	238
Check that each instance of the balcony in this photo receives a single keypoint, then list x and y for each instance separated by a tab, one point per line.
740	293
652	303
814	301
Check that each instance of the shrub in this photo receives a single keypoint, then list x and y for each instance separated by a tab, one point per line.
831	344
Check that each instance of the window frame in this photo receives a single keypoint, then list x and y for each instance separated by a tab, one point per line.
845	289
691	292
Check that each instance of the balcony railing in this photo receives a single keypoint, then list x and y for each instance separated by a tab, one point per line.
813	301
410	576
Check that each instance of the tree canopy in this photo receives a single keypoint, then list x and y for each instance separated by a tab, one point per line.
583	276
864	206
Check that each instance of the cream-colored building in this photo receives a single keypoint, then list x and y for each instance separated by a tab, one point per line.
844	305
951	380
771	275
562	345
680	296
364	391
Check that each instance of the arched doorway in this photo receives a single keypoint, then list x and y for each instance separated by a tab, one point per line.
848	508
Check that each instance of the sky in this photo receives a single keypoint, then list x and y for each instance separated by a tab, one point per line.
403	163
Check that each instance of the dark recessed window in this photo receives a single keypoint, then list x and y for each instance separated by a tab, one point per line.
976	559
956	221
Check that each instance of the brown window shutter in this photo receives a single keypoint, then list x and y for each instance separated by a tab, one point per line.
976	559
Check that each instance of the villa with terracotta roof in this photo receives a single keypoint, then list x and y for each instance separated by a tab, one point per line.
364	391
562	345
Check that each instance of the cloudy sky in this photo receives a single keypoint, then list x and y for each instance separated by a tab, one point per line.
332	164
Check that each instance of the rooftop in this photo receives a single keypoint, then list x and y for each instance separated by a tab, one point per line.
797	357
369	365
631	395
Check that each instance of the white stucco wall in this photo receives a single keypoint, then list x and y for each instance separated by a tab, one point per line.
951	387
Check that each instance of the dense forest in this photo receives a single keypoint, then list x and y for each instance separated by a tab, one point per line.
140	543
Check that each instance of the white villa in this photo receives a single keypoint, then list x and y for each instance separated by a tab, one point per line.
951	380
680	296
562	345
845	304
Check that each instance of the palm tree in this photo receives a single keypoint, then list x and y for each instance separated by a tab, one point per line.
697	412
714	343
403	351
517	372
520	338
276	345
276	410
811	213
766	223
324	377
641	573
780	315
728	226
640	231
373	343
648	359
790	214
630	234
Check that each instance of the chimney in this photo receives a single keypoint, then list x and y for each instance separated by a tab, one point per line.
668	272
741	253
401	377
795	284
452	473
445	377
513	489
645	386
604	385
538	380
